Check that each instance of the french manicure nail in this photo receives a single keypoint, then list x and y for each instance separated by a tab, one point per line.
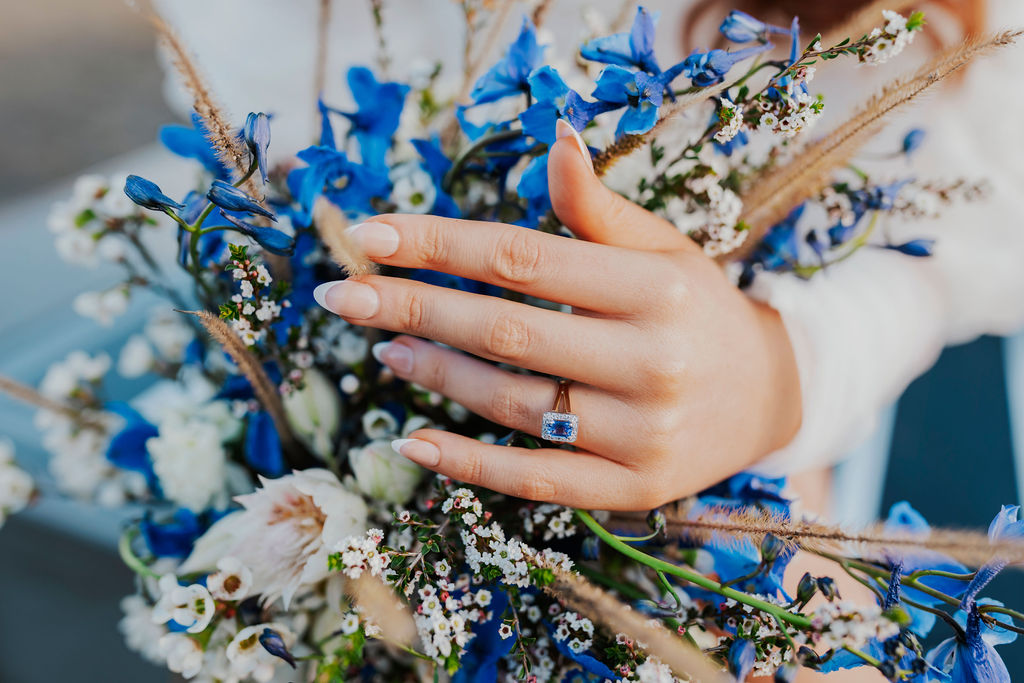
348	299
564	129
375	239
419	451
398	357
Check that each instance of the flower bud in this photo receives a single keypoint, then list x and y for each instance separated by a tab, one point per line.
148	194
828	588
257	137
806	589
383	474
771	547
314	412
231	198
912	140
273	643
271	239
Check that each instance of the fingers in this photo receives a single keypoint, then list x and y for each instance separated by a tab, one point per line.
546	341
576	479
594	212
516	401
546	266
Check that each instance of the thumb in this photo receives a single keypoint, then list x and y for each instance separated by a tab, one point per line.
592	211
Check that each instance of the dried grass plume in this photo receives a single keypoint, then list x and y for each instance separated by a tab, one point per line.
331	224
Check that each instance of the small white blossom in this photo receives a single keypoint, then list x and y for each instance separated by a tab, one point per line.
188	606
16	485
136	357
183	655
232	580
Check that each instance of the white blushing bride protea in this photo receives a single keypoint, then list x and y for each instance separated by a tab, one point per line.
285	532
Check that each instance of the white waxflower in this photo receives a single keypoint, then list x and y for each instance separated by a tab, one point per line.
285	532
102	307
314	412
115	203
140	633
189	461
188	606
413	189
16	486
248	657
378	423
231	581
183	654
384	474
87	190
63	377
170	334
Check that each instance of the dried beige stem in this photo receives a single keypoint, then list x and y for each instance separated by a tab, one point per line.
380	606
331	223
26	394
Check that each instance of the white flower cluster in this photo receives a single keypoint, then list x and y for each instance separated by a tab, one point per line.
85	226
252	304
849	624
793	112
549	521
887	41
443	618
926	200
412	188
189	459
653	670
719	233
575	630
731	118
16	486
164	340
361	554
102	306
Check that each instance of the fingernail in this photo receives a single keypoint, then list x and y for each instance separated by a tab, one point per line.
376	240
419	451
564	129
398	357
347	298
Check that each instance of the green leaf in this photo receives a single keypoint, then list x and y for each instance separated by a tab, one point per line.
84	217
915	21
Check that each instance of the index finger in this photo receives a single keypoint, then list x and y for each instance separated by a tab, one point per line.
594	277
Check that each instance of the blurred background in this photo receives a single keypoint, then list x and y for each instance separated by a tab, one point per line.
82	90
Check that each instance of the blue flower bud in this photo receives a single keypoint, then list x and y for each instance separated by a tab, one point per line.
271	239
231	198
786	673
740	27
827	586
918	247
273	643
708	68
771	547
806	589
148	194
913	140
257	137
742	654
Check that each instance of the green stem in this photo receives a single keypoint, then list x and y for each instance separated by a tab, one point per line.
935	572
1002	610
863	655
470	152
124	549
798	620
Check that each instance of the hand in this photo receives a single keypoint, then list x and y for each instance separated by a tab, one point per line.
679	379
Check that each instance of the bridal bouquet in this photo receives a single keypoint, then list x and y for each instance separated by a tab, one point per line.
284	539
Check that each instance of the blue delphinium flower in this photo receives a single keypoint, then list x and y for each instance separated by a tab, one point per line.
509	76
635	49
331	174
437	165
972	657
229	197
378	112
192	142
1005	525
533	187
173	537
271	239
742	654
918	247
479	662
641	94
553	100
148	194
256	133
263	445
740	27
708	68
127	448
912	140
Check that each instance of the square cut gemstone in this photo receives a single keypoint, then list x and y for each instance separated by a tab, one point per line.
562	427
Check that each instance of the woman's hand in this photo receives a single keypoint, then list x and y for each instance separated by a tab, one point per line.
679	379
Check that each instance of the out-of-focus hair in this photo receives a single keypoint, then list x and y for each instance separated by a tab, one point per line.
966	17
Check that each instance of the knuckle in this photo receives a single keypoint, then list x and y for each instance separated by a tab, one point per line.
662	428
431	246
507	338
665	376
509	406
472	469
435	376
674	290
536	486
412	312
518	257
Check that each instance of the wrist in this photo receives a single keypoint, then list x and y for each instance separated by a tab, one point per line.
781	397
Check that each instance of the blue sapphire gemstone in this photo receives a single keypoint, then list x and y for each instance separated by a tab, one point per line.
562	427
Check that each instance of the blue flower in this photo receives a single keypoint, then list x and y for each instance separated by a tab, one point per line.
972	657
174	536
503	154
533	187
553	99
229	197
378	112
918	247
635	48
263	445
509	76
640	93
148	194
271	239
740	27
326	129
742	654
331	174
479	662
192	142
912	140
127	449
1005	525
709	68
273	643
437	165
257	137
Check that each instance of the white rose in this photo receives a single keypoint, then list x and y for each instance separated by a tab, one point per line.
383	474
314	412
